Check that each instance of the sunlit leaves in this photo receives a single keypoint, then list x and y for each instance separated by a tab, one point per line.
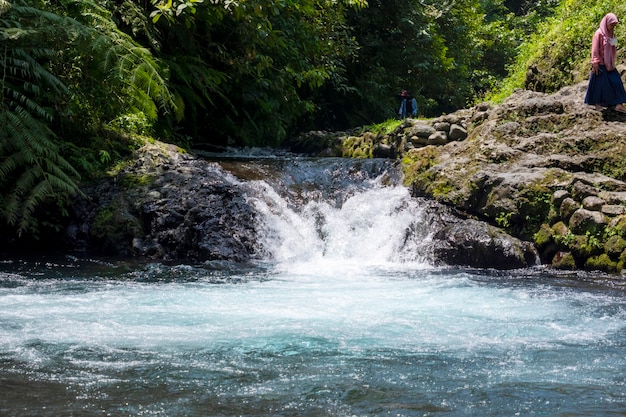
170	9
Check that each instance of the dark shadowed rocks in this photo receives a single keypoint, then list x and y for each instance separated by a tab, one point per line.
166	205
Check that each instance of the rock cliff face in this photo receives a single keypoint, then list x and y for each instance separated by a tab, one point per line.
545	168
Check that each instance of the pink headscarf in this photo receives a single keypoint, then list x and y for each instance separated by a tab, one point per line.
609	41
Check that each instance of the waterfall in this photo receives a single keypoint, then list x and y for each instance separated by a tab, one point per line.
330	213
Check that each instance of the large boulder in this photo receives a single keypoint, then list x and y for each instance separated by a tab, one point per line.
481	245
166	205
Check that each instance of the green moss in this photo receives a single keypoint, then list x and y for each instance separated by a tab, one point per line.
601	262
564	260
417	161
621	263
357	147
614	246
543	237
133	180
442	189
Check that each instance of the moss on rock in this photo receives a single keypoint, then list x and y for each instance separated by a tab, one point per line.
564	260
602	262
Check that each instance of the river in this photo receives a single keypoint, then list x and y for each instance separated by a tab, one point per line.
342	315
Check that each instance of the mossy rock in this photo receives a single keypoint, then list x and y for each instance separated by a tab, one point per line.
621	263
115	228
619	225
564	260
417	161
559	229
543	237
562	235
358	147
614	246
134	180
602	262
586	246
544	241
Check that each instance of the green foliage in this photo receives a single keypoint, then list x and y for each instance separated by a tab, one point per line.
558	53
84	80
503	219
119	62
67	69
384	128
32	170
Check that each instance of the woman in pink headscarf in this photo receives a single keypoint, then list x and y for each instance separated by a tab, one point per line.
606	88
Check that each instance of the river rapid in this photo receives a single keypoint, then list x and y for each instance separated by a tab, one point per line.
343	314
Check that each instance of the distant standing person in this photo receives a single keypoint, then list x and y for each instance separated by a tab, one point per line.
605	88
408	104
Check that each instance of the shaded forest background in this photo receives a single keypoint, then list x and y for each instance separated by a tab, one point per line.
84	82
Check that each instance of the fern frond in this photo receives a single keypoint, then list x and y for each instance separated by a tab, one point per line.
31	169
130	67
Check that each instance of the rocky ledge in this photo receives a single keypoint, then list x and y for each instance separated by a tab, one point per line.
545	168
168	205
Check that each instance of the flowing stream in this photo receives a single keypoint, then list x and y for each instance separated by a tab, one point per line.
342	315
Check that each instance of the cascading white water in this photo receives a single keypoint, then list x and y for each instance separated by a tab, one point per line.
344	317
378	226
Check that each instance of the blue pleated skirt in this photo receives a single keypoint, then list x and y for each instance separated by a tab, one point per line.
605	89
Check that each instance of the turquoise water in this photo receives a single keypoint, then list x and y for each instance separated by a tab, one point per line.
181	341
342	314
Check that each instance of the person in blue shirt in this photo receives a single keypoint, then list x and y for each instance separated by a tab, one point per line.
408	105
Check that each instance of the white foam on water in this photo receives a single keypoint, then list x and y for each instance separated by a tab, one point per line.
423	313
378	227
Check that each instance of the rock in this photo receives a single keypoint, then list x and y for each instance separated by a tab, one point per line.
438	138
581	190
584	221
535	158
613	210
384	151
568	207
421	130
558	196
442	126
564	260
188	212
615	245
480	245
457	132
593	203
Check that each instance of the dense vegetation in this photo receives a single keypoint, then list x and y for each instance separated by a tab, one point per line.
86	81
